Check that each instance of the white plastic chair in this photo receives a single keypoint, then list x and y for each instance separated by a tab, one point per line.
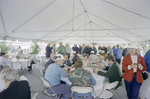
35	95
23	78
48	85
104	93
79	89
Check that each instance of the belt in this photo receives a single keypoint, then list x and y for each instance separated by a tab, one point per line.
82	96
48	87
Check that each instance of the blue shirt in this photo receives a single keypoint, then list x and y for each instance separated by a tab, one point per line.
75	95
118	53
54	73
147	60
114	51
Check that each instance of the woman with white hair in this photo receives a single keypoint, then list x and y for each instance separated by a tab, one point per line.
133	65
14	89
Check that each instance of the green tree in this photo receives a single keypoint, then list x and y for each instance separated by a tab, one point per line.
35	48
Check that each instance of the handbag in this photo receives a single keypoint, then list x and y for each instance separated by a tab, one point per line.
145	75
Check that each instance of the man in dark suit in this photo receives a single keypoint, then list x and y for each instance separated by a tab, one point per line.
113	72
48	50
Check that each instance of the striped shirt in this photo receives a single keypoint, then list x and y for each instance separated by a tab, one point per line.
54	73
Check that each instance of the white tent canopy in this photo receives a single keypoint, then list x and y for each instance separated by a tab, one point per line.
76	21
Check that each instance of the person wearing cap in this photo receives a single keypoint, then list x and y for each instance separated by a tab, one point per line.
94	49
54	50
61	48
32	60
50	61
14	89
89	50
53	75
113	72
102	52
133	65
118	55
93	58
68	50
105	49
4	61
75	48
75	57
110	51
20	54
48	50
114	51
82	78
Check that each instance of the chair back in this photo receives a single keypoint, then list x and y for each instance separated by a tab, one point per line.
45	82
111	85
23	78
81	89
35	95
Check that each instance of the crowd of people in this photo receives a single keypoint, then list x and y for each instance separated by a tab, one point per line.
101	58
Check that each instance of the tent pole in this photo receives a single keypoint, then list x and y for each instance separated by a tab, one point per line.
3	23
32	17
127	9
61	25
116	25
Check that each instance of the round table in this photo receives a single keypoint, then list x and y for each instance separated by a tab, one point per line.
99	79
19	64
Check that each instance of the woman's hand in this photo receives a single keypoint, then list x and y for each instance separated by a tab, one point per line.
133	65
140	66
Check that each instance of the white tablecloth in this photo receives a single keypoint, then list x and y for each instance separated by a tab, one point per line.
18	64
42	58
99	79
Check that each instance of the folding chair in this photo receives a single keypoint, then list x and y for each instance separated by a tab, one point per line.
104	93
48	85
79	89
35	95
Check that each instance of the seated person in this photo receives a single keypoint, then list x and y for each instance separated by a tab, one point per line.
93	58
86	62
53	75
82	78
32	60
102	52
50	61
101	61
20	54
14	89
4	61
75	57
67	62
113	71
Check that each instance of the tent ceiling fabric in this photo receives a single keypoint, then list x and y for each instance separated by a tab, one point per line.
76	21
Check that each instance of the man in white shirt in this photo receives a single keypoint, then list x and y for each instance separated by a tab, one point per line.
4	61
54	50
20	54
32	60
102	62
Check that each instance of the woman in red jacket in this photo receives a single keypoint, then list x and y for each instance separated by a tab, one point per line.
133	65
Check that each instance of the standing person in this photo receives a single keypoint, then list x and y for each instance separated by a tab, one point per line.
48	50
110	51
61	48
94	49
114	51
76	49
89	50
118	54
53	75
54	50
85	50
80	49
133	65
105	49
68	50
